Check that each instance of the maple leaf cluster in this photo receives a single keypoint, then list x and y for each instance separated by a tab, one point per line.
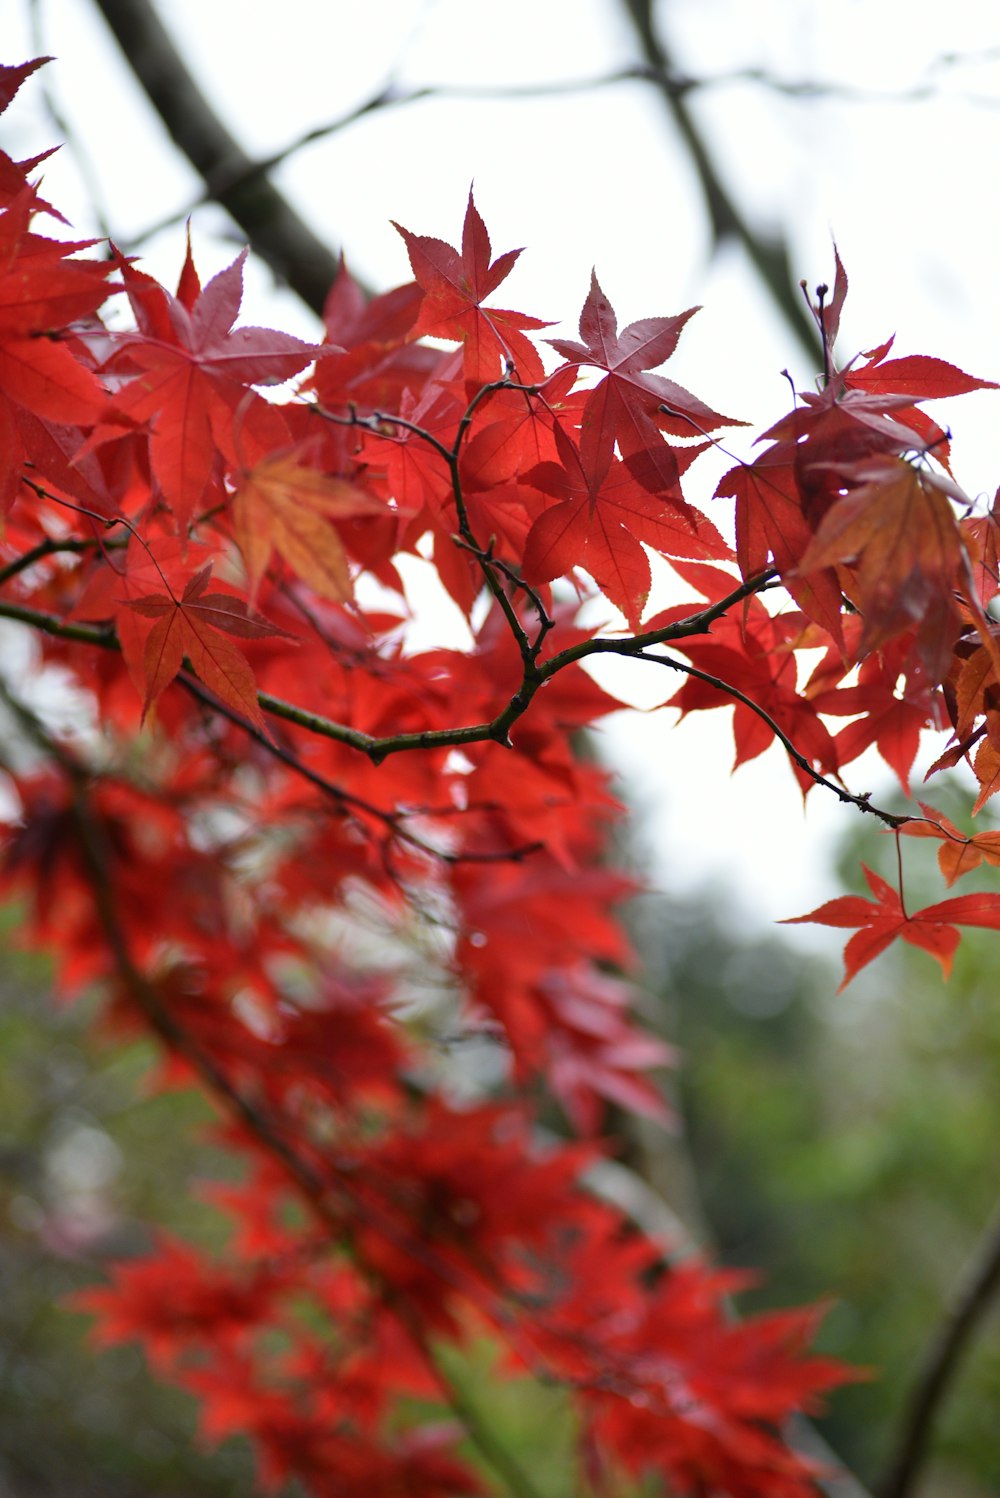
312	860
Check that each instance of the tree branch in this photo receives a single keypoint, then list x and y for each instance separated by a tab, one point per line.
863	802
274	229
968	1303
265	1128
84	166
678	84
344	800
768	256
497	730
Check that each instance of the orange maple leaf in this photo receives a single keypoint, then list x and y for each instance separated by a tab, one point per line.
283	506
958	854
987	768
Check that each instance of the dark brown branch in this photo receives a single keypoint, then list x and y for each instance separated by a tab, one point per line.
238	178
46	548
677	84
968	1303
275	231
497	730
345	800
863	803
768	256
534	674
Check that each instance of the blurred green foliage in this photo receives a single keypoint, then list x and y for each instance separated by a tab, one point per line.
87	1157
846	1145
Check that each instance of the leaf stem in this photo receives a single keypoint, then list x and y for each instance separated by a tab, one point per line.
899	867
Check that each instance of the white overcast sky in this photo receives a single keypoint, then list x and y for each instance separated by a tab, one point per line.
908	186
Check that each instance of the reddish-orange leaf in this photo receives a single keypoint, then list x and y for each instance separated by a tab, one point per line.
283	506
958	854
982	535
976	684
899	530
987	767
188	628
891	720
882	920
753	657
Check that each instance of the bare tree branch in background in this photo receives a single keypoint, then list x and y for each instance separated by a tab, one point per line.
678	84
969	1302
254	171
84	165
280	237
274	229
286	243
768	256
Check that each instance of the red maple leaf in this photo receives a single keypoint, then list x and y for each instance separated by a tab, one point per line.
189	627
173	1298
754	658
42	371
373	357
603	515
12	75
893	720
919	376
192	368
627	405
455	285
882	920
770	524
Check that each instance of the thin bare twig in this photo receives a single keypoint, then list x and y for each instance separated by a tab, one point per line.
863	802
275	231
768	256
677	84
